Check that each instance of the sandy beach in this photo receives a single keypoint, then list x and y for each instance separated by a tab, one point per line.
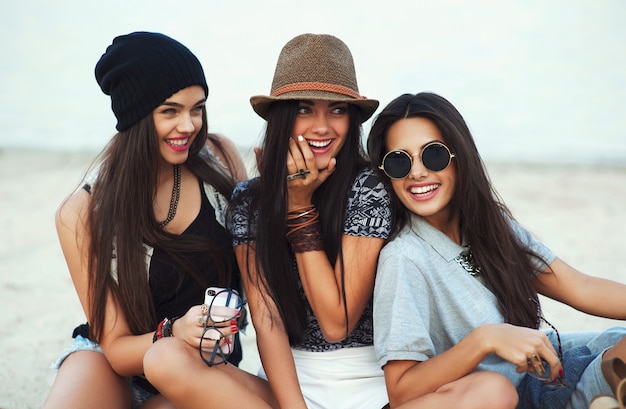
579	211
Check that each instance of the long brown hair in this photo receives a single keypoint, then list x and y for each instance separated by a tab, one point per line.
506	265
273	254
121	214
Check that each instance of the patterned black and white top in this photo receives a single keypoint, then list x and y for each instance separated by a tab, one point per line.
368	214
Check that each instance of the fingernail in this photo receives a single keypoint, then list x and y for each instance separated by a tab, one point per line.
561	373
234	329
233	322
300	138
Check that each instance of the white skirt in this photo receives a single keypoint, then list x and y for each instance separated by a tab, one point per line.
345	378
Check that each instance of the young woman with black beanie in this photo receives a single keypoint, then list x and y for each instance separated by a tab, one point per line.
144	237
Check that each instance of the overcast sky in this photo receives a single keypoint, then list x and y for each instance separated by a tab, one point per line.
531	77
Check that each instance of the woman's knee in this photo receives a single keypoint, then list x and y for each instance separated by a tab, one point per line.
86	379
483	390
498	391
163	359
90	367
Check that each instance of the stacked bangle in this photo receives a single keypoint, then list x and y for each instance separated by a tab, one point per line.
164	329
303	230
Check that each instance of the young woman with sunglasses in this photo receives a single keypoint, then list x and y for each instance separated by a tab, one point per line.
308	232
144	236
457	288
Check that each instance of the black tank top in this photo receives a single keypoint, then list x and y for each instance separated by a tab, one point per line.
173	289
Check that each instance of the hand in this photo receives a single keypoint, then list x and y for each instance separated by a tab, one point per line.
523	347
191	326
300	157
219	327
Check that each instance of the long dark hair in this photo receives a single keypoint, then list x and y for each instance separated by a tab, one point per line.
273	254
122	215
506	265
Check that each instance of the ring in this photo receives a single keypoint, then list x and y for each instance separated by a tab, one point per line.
537	365
204	309
541	371
299	174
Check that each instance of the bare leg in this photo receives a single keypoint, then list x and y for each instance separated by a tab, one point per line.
480	390
86	380
178	372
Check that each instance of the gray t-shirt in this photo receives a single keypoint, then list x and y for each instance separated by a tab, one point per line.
426	301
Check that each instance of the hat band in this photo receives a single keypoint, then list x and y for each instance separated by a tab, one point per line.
316	86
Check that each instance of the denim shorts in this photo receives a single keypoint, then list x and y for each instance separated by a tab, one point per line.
80	344
582	356
139	394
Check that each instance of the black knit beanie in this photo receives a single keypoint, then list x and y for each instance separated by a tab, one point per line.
140	70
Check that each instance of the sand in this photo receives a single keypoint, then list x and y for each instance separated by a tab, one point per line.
579	211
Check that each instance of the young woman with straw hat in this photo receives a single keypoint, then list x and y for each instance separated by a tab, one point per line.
309	229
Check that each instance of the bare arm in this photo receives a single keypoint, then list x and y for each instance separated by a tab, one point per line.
322	284
272	340
123	350
70	220
239	169
321	278
592	295
409	380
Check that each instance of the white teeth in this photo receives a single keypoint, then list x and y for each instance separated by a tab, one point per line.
319	144
420	190
177	142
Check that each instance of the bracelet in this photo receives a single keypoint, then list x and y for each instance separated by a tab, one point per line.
300	218
303	230
158	334
308	238
295	214
164	329
301	211
167	326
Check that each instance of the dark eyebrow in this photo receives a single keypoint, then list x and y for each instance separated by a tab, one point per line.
330	103
176	104
335	103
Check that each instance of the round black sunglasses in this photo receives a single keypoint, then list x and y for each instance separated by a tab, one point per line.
435	157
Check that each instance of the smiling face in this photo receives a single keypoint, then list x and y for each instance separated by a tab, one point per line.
177	121
423	192
324	125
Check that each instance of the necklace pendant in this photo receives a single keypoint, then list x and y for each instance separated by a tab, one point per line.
466	260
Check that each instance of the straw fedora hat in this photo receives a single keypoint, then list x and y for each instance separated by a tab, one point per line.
315	66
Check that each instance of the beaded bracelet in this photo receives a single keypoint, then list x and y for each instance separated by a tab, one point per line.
158	334
164	329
